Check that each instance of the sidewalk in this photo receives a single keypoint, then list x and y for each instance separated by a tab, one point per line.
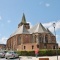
34	58
51	57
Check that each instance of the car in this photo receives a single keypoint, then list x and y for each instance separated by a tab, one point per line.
2	53
11	54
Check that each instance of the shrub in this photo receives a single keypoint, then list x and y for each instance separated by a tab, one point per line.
58	52
19	53
31	53
41	53
50	52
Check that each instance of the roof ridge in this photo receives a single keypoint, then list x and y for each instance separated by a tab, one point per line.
40	28
20	30
43	27
50	32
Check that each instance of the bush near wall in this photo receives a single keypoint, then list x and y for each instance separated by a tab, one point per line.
30	53
58	52
41	53
26	53
22	53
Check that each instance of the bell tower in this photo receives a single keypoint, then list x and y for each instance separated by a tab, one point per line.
23	22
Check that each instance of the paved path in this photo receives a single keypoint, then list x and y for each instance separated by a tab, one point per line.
52	57
34	58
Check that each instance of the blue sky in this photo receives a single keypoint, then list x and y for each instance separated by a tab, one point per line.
45	11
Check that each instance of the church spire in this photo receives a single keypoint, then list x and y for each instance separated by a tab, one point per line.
23	19
23	22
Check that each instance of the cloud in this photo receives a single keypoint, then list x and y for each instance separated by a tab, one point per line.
8	21
3	40
44	4
47	4
50	25
58	25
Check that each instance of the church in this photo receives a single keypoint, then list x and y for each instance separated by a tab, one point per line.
29	39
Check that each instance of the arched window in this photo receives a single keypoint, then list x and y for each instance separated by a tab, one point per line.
53	47
32	47
46	39
45	46
24	47
40	39
19	40
37	46
35	38
26	39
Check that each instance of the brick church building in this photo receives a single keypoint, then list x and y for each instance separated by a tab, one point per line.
28	39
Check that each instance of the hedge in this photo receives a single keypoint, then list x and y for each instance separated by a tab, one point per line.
41	53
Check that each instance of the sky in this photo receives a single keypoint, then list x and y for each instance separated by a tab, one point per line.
46	12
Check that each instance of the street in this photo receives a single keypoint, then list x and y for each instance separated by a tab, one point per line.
21	58
9	59
33	58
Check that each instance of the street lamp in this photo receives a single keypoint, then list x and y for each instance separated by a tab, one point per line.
55	37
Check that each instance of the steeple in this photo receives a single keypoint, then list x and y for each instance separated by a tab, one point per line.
23	19
23	22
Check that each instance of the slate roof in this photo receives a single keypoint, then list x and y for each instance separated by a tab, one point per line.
20	30
50	32
39	28
23	19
